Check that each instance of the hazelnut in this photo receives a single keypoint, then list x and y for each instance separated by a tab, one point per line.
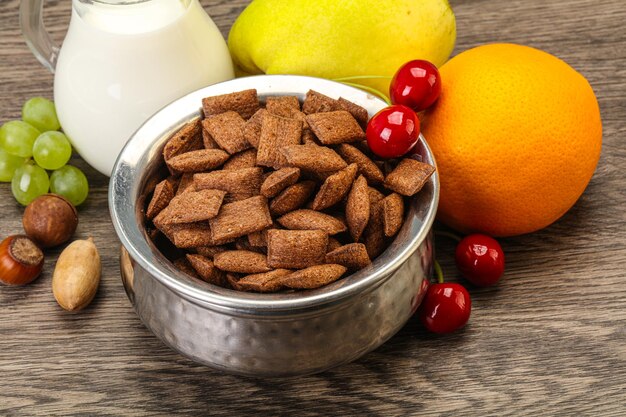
50	220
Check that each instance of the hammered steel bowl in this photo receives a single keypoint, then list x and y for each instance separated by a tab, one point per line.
265	334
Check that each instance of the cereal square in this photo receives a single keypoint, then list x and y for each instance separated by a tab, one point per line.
367	167
240	184
226	129
241	261
313	158
245	159
277	132
292	197
252	129
264	282
393	214
358	112
197	161
277	181
305	219
188	138
315	102
240	218
358	208
353	256
163	194
313	277
335	127
246	103
294	249
283	106
206	270
335	188
409	177
192	207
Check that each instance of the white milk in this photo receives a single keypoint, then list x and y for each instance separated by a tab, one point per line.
121	63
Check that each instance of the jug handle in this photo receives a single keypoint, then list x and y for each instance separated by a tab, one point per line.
34	31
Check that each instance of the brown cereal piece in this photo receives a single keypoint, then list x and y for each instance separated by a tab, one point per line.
264	282
283	106
197	161
252	129
353	256
189	235
294	249
335	127
335	188
374	234
227	131
241	261
240	184
246	103
243	243
208	141
245	159
210	251
308	138
207	270
313	277
292	197
191	207
257	239
313	158
332	244
358	208
315	102
188	138
367	167
358	112
409	177
312	220
163	194
183	265
233	280
277	181
277	132
240	218
375	195
185	184
393	213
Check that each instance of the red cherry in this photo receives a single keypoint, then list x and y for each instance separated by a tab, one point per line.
445	308
393	131
480	259
417	84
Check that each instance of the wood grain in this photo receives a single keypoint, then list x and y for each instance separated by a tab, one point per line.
549	340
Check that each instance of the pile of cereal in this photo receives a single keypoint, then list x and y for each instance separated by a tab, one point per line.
281	197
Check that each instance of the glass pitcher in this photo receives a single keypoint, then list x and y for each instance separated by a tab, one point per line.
121	61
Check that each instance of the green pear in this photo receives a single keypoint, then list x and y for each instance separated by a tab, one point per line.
341	38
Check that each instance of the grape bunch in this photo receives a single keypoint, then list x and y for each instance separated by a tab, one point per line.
33	146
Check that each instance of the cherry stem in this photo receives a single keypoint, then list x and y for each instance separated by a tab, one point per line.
363	77
450	235
438	272
369	89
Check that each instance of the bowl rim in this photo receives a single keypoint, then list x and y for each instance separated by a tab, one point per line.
128	178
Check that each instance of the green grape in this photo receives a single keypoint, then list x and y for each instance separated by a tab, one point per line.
29	182
8	164
52	150
71	183
17	138
41	113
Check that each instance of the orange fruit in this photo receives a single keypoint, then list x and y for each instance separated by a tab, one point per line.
516	134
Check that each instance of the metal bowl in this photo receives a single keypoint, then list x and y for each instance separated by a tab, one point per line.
265	334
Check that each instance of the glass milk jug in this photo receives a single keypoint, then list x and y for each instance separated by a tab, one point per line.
121	61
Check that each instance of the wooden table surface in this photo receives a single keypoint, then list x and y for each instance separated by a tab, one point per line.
549	339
